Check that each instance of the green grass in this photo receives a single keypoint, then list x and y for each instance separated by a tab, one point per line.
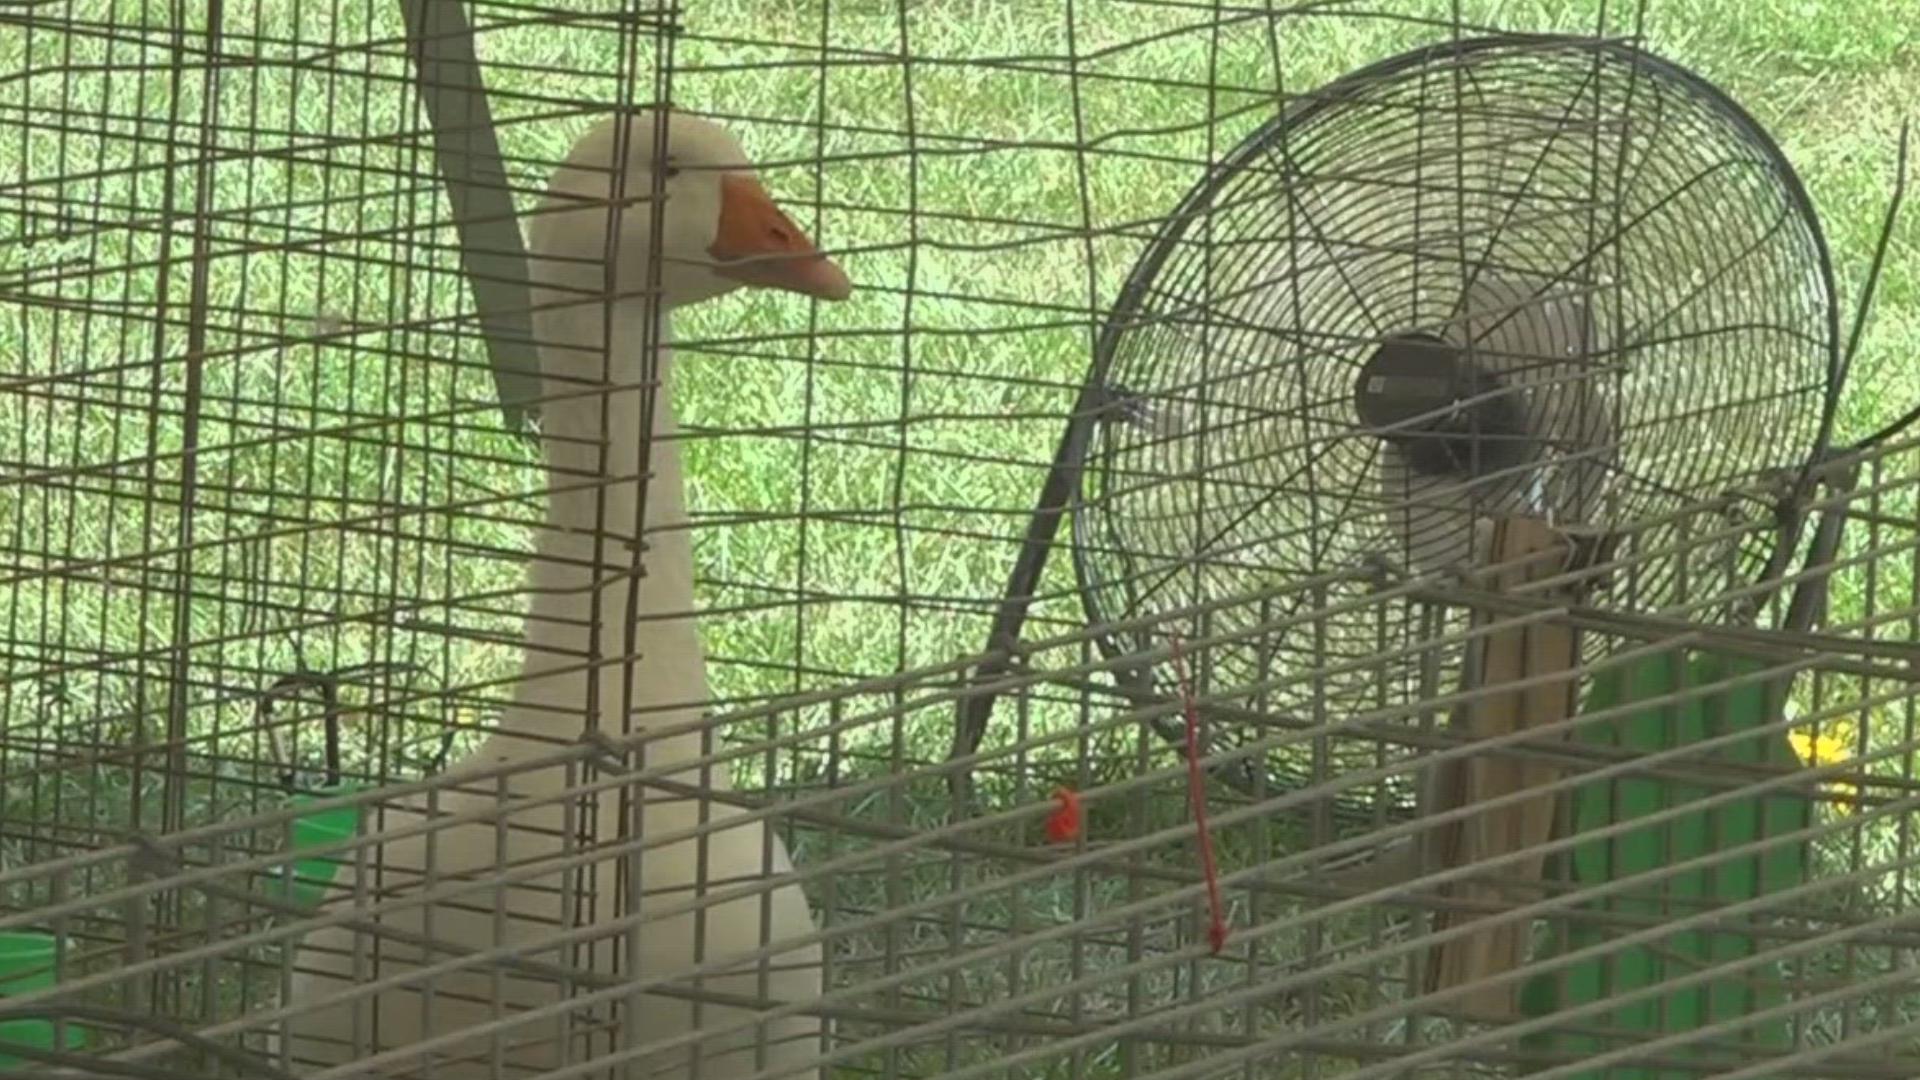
879	469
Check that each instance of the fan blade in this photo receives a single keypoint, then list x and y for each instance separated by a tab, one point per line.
1542	337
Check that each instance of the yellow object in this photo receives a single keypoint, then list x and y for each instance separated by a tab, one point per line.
1830	746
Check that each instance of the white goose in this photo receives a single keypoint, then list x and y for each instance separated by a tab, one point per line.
715	215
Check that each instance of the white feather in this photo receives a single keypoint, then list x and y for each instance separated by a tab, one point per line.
665	685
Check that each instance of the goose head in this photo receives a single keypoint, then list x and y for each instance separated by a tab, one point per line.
719	228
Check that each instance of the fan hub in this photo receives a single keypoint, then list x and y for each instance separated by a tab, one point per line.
1446	414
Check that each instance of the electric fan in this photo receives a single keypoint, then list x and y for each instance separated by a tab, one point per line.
1528	276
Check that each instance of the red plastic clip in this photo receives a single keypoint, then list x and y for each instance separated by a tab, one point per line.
1063	825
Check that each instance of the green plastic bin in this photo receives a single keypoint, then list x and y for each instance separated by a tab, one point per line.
313	876
26	966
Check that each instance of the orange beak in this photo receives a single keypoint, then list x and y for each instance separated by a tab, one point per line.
759	245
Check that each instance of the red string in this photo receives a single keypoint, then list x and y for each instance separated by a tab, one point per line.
1063	824
1197	794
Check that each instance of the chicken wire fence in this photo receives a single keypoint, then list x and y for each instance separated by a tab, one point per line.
267	528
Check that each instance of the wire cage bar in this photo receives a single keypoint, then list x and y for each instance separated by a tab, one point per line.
975	945
265	538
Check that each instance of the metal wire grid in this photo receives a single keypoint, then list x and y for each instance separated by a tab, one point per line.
249	414
973	947
250	431
249	422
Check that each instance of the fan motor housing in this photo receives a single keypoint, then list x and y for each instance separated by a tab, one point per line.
1446	414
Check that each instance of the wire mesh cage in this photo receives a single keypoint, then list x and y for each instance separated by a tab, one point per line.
1003	944
386	387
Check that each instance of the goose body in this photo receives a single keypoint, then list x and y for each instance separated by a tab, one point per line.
595	375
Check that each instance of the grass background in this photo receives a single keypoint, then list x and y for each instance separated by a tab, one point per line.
859	472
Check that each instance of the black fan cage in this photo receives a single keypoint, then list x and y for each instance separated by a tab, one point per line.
1568	180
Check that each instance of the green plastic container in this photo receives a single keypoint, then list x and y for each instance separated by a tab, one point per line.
26	966
312	877
1680	838
26	961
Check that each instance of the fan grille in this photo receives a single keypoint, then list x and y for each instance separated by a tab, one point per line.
1599	225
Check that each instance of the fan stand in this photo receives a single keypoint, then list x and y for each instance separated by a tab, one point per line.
1542	656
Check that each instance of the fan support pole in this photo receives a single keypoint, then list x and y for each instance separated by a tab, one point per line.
1542	658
